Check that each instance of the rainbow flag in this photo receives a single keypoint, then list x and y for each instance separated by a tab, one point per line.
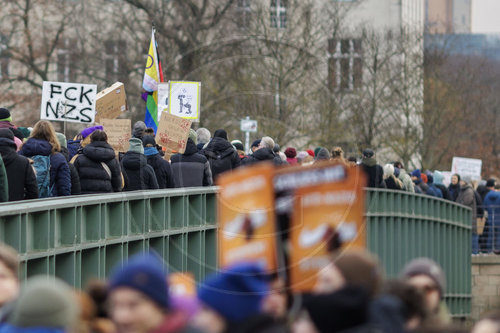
152	76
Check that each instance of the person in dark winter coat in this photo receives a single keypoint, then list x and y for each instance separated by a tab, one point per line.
4	183
75	179
20	174
374	171
221	154
391	181
433	189
94	177
162	168
139	175
492	205
191	169
438	182
43	141
454	187
264	152
467	198
420	186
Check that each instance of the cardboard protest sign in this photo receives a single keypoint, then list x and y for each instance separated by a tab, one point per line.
162	97
247	230
119	132
181	284
73	102
467	168
184	99
324	216
111	102
173	133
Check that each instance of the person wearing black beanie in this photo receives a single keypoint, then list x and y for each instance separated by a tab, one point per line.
6	119
221	154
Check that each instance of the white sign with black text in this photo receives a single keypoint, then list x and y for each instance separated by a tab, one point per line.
184	99
73	102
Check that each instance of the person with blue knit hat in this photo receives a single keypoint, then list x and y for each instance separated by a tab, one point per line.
232	300
138	298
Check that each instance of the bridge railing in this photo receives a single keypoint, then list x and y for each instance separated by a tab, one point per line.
80	237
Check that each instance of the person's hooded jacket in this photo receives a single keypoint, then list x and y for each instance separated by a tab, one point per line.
139	175
162	168
60	177
374	171
94	178
492	204
467	198
406	179
221	155
263	154
191	168
438	182
21	179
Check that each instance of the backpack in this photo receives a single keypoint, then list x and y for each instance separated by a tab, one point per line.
218	161
41	164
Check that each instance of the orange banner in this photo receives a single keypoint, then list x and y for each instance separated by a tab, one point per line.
247	223
325	216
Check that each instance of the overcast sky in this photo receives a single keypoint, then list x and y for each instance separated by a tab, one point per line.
485	16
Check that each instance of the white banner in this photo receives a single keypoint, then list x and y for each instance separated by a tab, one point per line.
73	102
184	99
467	168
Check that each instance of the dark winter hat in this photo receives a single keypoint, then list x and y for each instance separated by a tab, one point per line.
148	141
220	133
86	132
144	273
368	153
256	143
416	173
428	267
45	302
490	182
276	148
396	172
5	115
6	133
236	293
360	268
17	133
136	145
316	151
290	152
26	132
323	154
238	144
430	179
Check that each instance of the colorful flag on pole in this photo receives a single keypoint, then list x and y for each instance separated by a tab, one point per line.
152	76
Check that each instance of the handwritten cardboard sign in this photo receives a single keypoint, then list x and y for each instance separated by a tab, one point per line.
72	102
247	224
118	131
111	102
173	133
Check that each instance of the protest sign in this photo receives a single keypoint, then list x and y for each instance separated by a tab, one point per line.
72	102
181	284
247	224
184	99
320	208
118	131
467	168
173	133
111	102
162	97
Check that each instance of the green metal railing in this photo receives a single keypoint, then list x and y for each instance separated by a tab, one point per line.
80	237
402	226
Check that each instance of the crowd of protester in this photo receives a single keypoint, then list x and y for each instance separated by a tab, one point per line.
350	295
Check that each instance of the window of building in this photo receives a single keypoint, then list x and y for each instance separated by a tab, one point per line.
345	64
278	13
67	61
243	13
114	58
4	58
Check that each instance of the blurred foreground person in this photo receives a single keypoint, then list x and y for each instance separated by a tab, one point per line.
9	279
138	298
489	323
232	301
427	276
45	305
